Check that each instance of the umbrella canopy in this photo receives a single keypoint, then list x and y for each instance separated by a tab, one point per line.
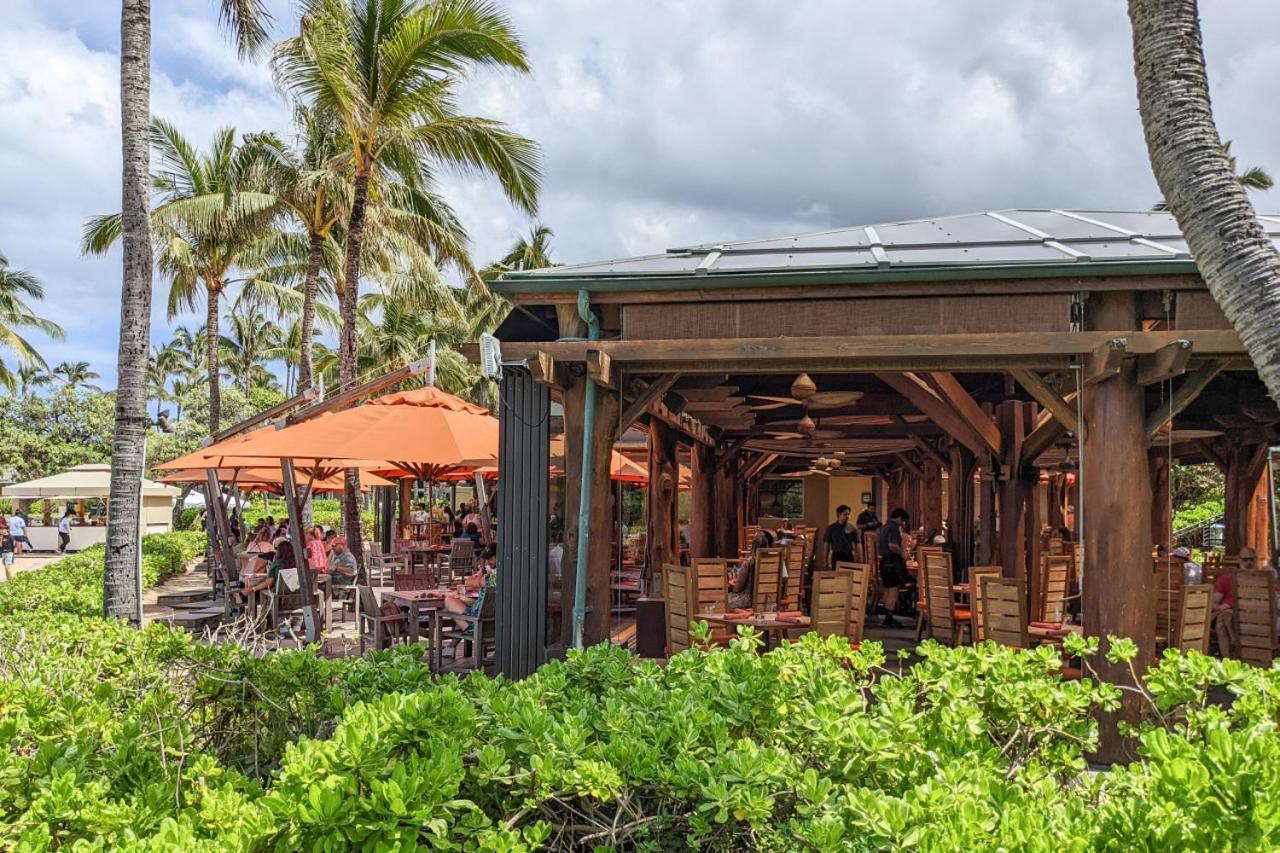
266	479
83	481
423	433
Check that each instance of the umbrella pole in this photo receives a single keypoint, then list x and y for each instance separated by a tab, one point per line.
310	622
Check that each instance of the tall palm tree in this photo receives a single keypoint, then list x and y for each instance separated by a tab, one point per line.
1197	176
206	223
527	253
122	584
178	392
16	287
76	374
1252	178
251	338
387	70
30	376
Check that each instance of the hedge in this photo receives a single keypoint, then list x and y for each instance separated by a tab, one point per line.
146	740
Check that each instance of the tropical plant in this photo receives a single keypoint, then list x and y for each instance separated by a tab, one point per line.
1196	174
76	374
16	288
32	376
251	340
528	253
387	71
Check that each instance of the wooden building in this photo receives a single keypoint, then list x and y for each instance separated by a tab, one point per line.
1055	360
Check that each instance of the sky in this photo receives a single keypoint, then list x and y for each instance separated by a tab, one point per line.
661	122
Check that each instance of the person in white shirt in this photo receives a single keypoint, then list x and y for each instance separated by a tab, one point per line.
18	530
1190	569
64	533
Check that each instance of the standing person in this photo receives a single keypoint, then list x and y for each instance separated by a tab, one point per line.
867	519
6	549
893	562
418	521
18	530
64	532
839	537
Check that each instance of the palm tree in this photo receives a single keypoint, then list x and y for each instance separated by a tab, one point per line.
252	337
30	376
206	224
122	585
16	287
386	70
527	253
76	374
1252	178
1196	175
178	392
160	366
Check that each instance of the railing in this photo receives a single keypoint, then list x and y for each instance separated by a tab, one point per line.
1205	534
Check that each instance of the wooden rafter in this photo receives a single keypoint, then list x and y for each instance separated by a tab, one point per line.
1183	396
950	389
929	450
1047	397
1213	456
647	395
1165	363
936	409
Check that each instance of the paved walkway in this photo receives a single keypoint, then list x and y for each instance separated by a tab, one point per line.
27	562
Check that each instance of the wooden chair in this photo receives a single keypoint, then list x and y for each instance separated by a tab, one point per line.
710	594
768	579
1055	572
794	587
947	620
678	594
749	532
831	602
1255	617
869	554
1170	580
411	581
461	559
1005	611
859	579
285	604
977	628
381	567
376	628
1197	613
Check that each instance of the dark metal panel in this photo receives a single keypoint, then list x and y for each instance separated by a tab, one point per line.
524	434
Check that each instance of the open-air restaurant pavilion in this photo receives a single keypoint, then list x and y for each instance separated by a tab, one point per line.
1019	383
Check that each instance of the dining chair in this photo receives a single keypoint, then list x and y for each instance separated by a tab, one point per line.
977	629
1004	618
1196	615
768	579
1255	617
859	575
1052	606
711	594
677	592
794	587
375	627
831	602
947	620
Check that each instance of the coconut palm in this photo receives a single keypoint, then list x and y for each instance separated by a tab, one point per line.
76	374
1252	178
16	288
247	20
387	70
528	253
1197	176
251	338
160	366
206	223
31	376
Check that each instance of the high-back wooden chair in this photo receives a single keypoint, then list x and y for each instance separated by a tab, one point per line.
411	581
1197	613
710	593
1005	618
794	587
831	600
859	578
947	621
1255	617
869	554
977	627
768	579
1055	573
1170	580
462	557
749	532
678	594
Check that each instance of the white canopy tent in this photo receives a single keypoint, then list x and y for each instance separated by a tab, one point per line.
92	480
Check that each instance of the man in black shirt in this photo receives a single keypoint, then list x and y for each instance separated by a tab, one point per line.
867	519
839	537
893	563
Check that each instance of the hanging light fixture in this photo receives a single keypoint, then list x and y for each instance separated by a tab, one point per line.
806	425
803	387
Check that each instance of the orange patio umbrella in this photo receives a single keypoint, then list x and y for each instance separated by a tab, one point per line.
266	479
423	433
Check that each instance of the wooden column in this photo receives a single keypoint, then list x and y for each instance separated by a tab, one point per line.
1161	506
985	547
1053	502
1243	525
702	501
1011	490
1118	582
663	539
931	497
960	499
725	499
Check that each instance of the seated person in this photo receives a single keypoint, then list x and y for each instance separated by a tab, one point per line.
284	559
473	533
475	587
741	589
418	521
1224	600
342	564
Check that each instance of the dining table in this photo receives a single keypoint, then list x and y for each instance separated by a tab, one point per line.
772	625
419	602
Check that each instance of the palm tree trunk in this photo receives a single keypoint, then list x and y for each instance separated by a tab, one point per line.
211	356
347	352
122	584
315	254
1238	263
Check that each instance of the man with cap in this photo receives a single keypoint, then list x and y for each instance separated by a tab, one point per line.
1190	568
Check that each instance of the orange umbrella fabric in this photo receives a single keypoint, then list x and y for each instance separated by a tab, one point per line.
267	479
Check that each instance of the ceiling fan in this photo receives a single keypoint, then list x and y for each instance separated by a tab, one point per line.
804	392
806	429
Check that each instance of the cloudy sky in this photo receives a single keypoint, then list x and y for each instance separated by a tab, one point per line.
662	121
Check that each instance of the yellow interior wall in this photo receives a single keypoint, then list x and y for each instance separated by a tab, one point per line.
816	501
846	490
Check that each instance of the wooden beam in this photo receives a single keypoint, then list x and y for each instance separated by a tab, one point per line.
600	369
262	417
730	453
1104	361
350	397
909	464
874	353
1046	431
1040	391
1183	396
708	395
648	395
928	450
755	468
1214	456
935	408
954	393
1165	363
542	367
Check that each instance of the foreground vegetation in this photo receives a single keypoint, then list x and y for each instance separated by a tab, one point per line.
144	740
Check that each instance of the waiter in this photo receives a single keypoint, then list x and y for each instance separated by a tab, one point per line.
839	537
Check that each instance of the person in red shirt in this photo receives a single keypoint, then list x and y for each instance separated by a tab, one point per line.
1224	600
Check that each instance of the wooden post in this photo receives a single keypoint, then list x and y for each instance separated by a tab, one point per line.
985	551
725	493
1245	466
931	497
1012	490
702	501
960	500
1118	583
1161	505
404	485
663	539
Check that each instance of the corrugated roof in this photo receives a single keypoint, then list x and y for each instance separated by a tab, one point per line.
1005	242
